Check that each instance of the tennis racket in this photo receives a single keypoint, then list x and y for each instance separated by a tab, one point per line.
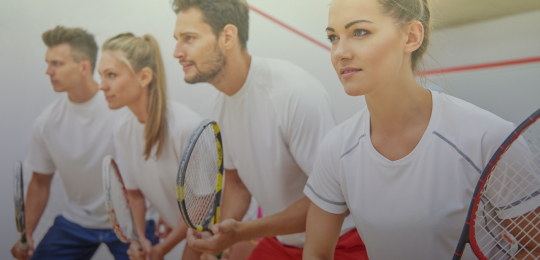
117	202
200	178
18	197
503	221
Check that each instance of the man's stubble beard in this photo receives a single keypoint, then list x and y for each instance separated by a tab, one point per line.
216	64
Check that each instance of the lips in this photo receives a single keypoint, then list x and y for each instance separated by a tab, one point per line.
348	72
187	65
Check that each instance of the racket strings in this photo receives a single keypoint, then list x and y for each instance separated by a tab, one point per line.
506	223
201	175
120	204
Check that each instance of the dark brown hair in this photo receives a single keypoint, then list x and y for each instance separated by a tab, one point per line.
83	46
219	13
407	11
139	53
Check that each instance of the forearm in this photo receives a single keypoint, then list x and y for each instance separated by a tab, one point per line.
290	221
138	210
177	234
236	198
37	197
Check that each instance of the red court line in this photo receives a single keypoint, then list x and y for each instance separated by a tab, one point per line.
289	28
482	66
425	73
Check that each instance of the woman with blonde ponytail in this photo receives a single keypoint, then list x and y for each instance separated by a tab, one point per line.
404	167
150	140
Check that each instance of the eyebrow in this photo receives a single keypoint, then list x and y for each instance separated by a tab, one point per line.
186	33
347	26
355	22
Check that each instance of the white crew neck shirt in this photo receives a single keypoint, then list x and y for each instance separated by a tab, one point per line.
415	207
155	179
271	129
72	138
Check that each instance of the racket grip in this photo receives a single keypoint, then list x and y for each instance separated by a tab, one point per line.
23	244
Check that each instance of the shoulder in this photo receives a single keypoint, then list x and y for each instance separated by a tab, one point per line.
182	120
288	78
464	119
51	113
474	131
123	124
345	137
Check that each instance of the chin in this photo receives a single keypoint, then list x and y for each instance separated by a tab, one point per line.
355	90
58	89
114	106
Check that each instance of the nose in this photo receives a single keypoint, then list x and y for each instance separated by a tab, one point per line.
49	70
341	51
103	86
179	52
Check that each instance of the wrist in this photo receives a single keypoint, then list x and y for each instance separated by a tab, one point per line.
165	246
242	231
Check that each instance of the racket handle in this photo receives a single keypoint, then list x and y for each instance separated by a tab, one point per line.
23	244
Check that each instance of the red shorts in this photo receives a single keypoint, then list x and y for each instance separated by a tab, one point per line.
349	247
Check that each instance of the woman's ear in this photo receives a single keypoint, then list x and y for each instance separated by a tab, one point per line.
145	76
415	36
228	37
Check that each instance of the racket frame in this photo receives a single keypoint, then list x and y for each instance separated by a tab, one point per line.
18	197
108	161
467	231
213	216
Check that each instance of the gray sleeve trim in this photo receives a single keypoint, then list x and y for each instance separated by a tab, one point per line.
515	203
350	150
459	151
324	199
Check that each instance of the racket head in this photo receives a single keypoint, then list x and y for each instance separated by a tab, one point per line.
509	187
117	202
200	177
18	196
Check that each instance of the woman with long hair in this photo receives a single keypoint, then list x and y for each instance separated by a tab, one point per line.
150	140
405	167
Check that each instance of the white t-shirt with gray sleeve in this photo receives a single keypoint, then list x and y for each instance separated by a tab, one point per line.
414	207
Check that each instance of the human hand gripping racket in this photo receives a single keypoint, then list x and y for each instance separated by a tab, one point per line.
200	178
117	203
18	197
503	221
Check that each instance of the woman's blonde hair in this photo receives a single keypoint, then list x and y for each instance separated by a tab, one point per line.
139	53
405	12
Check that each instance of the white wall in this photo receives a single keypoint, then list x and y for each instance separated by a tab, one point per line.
512	92
25	89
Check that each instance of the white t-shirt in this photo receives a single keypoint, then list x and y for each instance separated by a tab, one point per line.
155	179
271	129
72	139
415	207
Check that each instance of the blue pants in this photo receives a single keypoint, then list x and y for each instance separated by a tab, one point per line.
67	240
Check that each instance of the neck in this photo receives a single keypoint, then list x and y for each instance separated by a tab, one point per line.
400	105
140	108
234	74
84	92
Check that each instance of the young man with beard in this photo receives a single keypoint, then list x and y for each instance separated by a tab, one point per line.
272	116
71	137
